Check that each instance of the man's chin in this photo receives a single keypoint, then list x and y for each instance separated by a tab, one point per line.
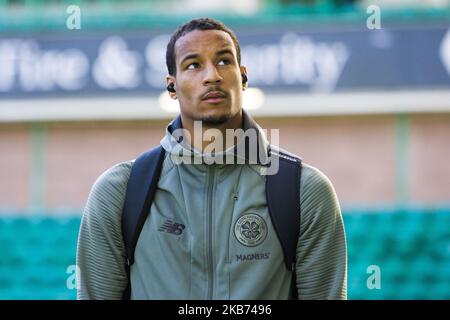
217	117
214	117
214	120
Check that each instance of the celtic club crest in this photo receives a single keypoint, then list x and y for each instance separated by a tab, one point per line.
250	230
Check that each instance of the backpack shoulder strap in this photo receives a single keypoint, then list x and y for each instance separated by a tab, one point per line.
141	189
283	201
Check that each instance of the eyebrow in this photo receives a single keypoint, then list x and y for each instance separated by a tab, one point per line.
196	55
189	56
224	51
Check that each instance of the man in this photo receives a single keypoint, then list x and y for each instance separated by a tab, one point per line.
195	242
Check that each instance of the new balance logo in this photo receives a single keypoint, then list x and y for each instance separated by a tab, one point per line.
172	227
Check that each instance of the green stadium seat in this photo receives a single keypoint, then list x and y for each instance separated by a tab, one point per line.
442	270
439	291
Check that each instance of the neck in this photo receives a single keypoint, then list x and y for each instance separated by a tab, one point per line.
207	136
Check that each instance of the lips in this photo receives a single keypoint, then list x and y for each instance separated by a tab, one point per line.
214	96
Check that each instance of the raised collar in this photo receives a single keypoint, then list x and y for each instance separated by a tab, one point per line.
248	123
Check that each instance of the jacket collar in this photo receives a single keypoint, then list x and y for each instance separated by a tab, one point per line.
248	125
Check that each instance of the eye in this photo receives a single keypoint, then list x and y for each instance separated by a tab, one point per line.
192	66
224	62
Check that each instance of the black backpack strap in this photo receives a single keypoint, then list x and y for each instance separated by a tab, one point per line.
141	189
283	201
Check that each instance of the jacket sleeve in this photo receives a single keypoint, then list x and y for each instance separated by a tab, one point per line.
100	250
321	250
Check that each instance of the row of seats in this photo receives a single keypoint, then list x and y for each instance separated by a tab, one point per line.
36	252
392	254
410	248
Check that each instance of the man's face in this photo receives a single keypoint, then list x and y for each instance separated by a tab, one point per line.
208	79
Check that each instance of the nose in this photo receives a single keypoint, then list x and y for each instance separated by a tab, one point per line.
212	77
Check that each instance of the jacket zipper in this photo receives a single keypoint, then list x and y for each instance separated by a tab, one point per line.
209	217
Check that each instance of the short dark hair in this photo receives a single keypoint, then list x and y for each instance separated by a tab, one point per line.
197	24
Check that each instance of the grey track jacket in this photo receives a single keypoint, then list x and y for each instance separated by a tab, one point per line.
195	242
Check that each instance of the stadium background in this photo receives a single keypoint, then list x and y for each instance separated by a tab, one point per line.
370	108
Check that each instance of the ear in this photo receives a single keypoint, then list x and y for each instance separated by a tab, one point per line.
171	79
243	70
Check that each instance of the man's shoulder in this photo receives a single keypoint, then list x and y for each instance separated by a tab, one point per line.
311	176
317	191
107	195
314	180
114	180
